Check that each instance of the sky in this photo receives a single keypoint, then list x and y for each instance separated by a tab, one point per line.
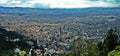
60	3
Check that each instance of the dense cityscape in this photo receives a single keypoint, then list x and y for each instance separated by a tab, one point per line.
56	29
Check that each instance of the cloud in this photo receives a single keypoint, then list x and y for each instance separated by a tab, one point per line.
3	1
60	3
38	5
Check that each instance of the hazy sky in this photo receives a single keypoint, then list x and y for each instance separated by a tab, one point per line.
60	3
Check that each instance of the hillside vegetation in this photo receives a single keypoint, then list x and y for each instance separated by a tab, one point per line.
10	40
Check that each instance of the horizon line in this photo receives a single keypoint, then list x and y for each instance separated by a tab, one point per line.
57	8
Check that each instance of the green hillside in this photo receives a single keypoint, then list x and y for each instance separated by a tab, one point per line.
10	40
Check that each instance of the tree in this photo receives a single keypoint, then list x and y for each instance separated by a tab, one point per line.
8	43
77	47
115	52
111	40
109	43
101	49
91	48
83	47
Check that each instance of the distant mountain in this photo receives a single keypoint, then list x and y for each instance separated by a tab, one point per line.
53	13
22	10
